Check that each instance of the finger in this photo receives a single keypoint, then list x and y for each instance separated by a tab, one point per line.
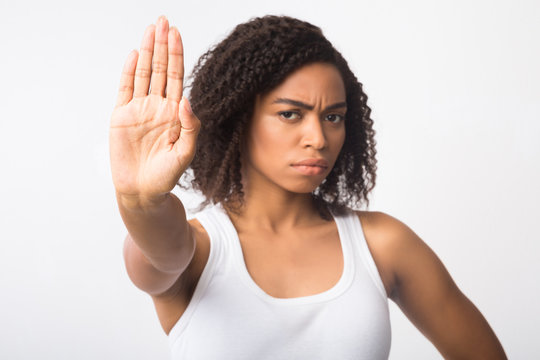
143	71
125	90
159	62
175	72
190	126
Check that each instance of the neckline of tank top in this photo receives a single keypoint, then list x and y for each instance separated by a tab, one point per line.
335	291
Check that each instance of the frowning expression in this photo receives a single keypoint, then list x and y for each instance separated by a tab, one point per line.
298	130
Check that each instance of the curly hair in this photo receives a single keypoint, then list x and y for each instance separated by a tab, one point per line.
255	58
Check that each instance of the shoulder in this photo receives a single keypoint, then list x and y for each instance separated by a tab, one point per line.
385	231
382	225
395	248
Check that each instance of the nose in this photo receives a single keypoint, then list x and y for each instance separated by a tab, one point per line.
313	133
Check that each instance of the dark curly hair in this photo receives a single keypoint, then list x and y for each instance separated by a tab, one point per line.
255	58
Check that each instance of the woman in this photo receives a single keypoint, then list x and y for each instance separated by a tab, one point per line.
278	267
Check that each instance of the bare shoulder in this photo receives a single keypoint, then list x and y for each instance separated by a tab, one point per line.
383	230
382	225
390	241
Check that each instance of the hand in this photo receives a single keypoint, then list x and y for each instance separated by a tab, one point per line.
153	131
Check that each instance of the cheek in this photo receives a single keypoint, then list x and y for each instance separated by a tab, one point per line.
269	139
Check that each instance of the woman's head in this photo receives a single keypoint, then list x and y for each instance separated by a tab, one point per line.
296	132
252	61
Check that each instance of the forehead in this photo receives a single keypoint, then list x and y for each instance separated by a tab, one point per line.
313	82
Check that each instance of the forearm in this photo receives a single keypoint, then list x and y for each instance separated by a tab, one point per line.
159	229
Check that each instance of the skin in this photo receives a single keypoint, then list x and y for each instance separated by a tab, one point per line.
288	249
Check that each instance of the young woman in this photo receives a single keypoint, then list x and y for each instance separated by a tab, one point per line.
278	265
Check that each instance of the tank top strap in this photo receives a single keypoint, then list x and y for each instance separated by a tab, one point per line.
353	227
210	220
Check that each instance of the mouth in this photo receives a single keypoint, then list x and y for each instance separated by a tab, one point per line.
310	170
311	166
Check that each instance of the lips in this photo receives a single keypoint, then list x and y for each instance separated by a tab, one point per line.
312	162
311	166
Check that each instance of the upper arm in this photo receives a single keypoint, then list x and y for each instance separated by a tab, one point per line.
424	290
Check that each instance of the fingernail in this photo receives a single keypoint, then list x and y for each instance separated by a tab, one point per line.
188	106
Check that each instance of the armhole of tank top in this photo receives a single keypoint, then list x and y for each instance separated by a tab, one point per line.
365	254
206	276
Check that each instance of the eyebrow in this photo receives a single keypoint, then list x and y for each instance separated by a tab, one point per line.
307	106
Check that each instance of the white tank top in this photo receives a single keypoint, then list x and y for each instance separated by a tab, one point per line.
231	318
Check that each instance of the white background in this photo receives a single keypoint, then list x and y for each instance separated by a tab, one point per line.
455	92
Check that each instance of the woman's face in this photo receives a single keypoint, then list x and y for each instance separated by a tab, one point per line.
297	130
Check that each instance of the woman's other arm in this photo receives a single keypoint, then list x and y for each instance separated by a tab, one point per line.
424	290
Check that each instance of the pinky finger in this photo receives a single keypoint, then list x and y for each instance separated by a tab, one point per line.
125	91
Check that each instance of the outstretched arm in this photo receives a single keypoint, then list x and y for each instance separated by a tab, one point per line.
427	295
152	142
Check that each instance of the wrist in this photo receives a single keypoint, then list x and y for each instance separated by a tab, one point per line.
140	202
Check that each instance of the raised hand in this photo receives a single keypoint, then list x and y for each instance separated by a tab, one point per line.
153	131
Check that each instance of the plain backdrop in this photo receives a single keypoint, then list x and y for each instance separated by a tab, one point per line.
455	92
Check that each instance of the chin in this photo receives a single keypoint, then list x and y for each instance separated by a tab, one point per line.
303	187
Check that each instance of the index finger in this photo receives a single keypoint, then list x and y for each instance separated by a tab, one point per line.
175	70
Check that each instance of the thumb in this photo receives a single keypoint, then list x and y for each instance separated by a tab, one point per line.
190	126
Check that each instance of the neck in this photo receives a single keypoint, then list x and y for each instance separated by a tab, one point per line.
275	210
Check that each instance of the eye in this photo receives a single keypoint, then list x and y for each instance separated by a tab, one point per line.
289	115
335	118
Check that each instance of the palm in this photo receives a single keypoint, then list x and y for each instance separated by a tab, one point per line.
151	137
